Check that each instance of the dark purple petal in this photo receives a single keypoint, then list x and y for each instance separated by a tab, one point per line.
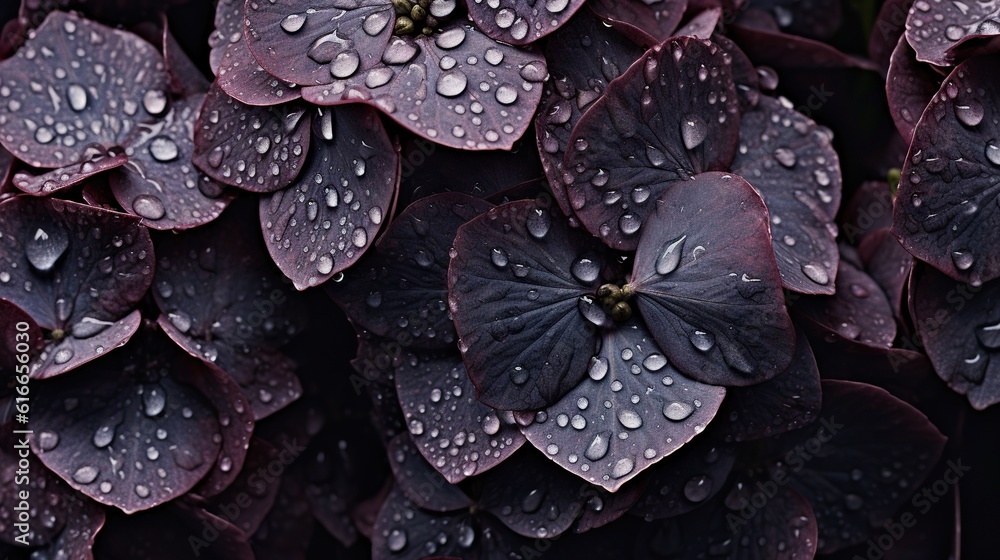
583	56
259	149
6	168
889	25
405	532
633	410
705	264
687	479
442	414
647	134
940	32
458	88
867	211
316	46
184	76
37	90
515	285
95	161
519	22
112	426
534	497
656	20
783	528
859	310
882	444
602	507
248	499
70	351
791	163
816	19
782	50
782	403
909	86
158	183
419	481
946	212
348	185
76	270
83	521
228	29
223	300
176	530
958	324
401	290
889	265
246	81
287	530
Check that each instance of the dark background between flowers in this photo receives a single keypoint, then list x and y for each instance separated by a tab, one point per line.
344	455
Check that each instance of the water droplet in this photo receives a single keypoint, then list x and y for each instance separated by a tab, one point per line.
816	274
629	223
853	502
506	94
538	223
623	467
452	83
969	114
598	368
670	256
293	23
693	131
630	419
103	436
654	362
677	411
154	401
532	502
142	490
499	257
62	356
598	447
45	247
48	440
155	102
698	488
396	540
345	64
163	149
491	424
702	340
85	474
963	259
785	157
77	97
585	270
148	206
993	152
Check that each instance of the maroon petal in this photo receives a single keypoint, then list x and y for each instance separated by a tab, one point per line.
315	46
458	88
520	22
632	411
870	446
247	500
259	149
956	323
401	290
686	480
791	163
245	80
859	310
185	78
176	530
889	25
70	351
348	183
37	90
287	530
76	270
657	19
647	134
111	427
583	56
940	32
94	161
705	264
424	486
782	50
228	29
909	86
440	406
223	300
785	402
514	288
889	265
158	183
945	211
